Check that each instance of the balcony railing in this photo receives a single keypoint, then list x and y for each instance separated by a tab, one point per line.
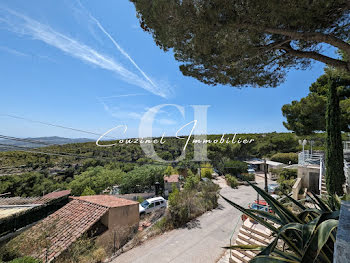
307	158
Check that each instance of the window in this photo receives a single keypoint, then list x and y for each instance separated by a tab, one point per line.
144	204
151	205
157	203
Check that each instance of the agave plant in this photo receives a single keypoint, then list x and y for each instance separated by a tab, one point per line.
304	236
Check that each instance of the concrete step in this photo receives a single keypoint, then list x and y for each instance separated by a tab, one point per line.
257	229
255	236
233	259
248	253
241	242
250	240
240	256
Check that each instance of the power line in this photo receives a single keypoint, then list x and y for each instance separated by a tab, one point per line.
36	150
54	125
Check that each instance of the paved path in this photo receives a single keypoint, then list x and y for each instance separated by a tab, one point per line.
202	242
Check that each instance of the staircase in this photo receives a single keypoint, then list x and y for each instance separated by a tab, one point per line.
323	186
250	234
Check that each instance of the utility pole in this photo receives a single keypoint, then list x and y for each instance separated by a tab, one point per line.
265	171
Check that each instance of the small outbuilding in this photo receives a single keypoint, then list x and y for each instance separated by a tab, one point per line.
169	181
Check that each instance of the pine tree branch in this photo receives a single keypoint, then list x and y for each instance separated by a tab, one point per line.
316	56
312	36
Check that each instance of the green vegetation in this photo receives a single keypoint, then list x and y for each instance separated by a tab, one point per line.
334	154
286	179
28	184
170	170
236	167
99	168
83	250
191	182
96	178
231	180
207	171
191	202
248	42
25	260
88	191
142	178
247	177
303	235
287	158
308	115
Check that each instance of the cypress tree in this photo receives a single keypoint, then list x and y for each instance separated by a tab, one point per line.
334	147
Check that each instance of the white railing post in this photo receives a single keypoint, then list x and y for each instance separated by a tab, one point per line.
321	174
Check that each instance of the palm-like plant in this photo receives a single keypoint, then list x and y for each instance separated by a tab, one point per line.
304	236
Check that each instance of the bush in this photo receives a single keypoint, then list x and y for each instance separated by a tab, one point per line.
286	180
163	224
190	203
140	199
207	171
288	174
88	191
285	158
191	182
231	180
248	177
25	260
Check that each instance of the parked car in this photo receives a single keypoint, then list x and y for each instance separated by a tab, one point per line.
152	204
272	188
258	205
251	171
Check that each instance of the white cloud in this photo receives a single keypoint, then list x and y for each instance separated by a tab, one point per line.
24	25
13	51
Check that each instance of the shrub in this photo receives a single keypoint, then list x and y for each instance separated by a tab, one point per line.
208	174
248	177
190	203
88	191
140	199
286	179
207	171
289	173
191	182
231	180
163	224
25	260
285	158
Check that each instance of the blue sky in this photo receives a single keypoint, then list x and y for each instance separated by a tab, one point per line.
90	66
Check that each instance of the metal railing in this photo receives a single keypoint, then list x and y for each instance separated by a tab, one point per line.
306	158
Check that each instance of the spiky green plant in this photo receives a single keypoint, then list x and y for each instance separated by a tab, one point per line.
304	236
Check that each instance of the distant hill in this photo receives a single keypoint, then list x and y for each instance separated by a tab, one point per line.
40	142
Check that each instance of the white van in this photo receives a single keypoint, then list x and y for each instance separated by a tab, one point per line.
152	204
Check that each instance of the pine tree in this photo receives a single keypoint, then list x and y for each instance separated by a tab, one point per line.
334	148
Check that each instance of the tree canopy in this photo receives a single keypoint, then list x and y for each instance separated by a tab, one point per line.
251	42
308	115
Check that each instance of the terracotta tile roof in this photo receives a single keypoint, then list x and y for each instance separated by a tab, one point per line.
174	178
57	194
106	200
66	225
